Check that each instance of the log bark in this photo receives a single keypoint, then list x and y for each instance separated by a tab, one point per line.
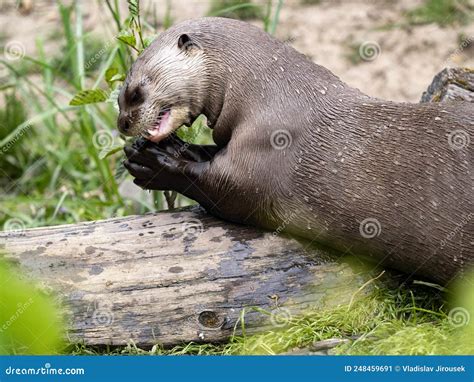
176	277
451	84
185	276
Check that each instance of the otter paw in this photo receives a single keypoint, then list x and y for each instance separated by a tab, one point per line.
171	145
154	167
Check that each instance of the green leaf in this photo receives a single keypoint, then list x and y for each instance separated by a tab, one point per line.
127	37
192	133
148	40
113	75
85	97
31	321
118	77
134	7
111	150
109	73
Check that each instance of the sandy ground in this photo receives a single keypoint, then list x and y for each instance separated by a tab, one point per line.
405	59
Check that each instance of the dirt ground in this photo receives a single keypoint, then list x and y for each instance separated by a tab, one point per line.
400	68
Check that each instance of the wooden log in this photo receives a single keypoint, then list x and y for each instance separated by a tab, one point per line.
176	277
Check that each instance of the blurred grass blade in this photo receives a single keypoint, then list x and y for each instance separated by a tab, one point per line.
233	8
29	123
59	205
276	17
111	150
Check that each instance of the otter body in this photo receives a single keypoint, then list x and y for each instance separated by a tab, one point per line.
299	151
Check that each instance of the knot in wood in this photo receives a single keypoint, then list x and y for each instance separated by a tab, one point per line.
210	319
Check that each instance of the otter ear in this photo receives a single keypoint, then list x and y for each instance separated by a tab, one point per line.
186	43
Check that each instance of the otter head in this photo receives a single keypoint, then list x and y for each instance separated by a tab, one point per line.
165	87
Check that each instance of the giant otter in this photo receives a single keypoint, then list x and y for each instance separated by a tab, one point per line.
298	150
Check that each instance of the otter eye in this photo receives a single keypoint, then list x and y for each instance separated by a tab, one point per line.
135	96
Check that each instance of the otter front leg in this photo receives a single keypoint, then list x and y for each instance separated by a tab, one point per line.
211	183
165	166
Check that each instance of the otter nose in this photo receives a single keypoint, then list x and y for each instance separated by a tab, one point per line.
123	125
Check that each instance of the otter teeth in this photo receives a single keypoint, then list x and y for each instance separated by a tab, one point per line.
159	131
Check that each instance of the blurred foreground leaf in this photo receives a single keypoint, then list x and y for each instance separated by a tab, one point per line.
30	323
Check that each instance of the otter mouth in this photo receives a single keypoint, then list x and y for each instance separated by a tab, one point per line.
161	128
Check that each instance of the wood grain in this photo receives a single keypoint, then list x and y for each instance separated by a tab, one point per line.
175	277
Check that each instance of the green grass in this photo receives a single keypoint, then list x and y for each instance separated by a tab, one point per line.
14	157
445	13
236	9
268	12
95	52
52	172
390	320
442	12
